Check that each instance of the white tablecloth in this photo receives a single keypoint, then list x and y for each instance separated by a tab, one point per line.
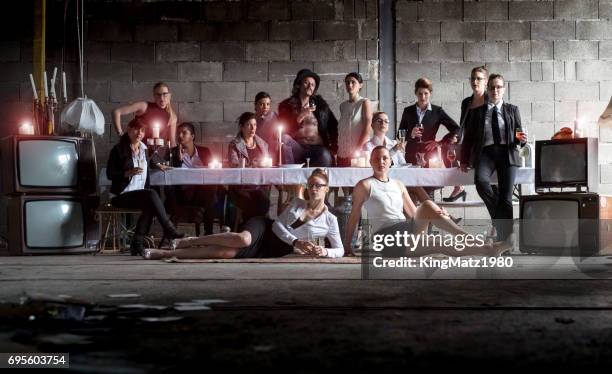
338	177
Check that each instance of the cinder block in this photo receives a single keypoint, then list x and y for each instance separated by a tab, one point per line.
594	30
591	110
453	109
367	29
268	10
405	10
541	130
360	9
553	30
267	51
404	92
124	92
605	9
570	70
232	31
605	91
576	9
533	91
223	91
294	30
94	51
605	173
543	111
520	50
323	51
185	91
463	31
512	71
155	72
372	49
322	11
447	91
371	9
167	32
565	111
485	11
99	71
536	71
576	50
222	51
605	50
594	70
456	72
444	11
335	70
16	91
558	70
349	9
201	112
198	32
508	30
10	51
576	91
215	11
548	70
368	70
417	31
245	71
200	71
486	51
133	52
108	31
183	51
335	30
233	110
407	52
531	10
278	90
436	51
410	72
361	49
371	92
541	50
219	134
525	110
286	71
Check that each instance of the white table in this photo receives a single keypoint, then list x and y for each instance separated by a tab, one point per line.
338	177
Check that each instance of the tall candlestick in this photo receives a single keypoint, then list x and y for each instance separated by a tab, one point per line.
45	85
33	87
156	130
64	84
53	82
280	145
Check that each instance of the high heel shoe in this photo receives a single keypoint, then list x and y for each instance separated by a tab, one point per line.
450	199
172	233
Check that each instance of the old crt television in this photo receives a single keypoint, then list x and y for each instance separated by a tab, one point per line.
47	164
566	163
568	224
48	224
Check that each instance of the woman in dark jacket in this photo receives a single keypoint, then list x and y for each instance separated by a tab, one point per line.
127	169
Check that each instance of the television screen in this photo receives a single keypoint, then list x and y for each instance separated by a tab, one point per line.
550	223
62	221
48	163
563	163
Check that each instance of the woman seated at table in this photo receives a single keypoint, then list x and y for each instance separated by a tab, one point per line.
127	170
249	150
295	230
380	125
390	210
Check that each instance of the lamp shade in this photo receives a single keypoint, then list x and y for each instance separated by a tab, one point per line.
83	114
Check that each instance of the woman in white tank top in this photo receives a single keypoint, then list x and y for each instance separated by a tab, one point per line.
354	126
391	210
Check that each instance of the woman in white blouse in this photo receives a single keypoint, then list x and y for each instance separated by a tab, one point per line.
298	229
380	125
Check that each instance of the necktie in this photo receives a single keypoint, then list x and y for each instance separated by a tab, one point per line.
495	127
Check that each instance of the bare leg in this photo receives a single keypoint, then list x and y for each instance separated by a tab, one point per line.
428	212
213	251
420	193
225	239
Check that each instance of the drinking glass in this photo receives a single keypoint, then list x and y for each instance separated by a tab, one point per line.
401	135
420	159
451	155
420	127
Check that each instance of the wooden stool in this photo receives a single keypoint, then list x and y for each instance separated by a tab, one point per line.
110	221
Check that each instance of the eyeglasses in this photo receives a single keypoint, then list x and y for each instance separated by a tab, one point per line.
493	88
316	185
382	120
162	94
477	78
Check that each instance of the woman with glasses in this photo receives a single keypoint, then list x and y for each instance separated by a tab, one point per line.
153	113
355	120
380	125
302	228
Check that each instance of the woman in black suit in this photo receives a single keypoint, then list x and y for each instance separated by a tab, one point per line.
128	172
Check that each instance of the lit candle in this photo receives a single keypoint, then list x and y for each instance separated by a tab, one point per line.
214	164
33	87
156	130
64	84
267	162
159	141
46	87
53	82
26	129
150	141
280	146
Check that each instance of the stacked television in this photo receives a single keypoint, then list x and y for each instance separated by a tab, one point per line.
567	216
49	196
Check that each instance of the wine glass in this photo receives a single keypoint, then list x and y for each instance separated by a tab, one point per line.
420	159
451	155
401	135
419	126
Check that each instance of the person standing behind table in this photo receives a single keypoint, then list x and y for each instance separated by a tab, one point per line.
188	155
127	170
354	126
158	111
492	136
248	148
304	102
478	82
380	125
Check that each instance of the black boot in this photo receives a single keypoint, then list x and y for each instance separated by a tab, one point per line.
137	245
172	233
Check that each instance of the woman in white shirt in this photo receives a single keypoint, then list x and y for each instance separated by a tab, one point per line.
301	228
380	125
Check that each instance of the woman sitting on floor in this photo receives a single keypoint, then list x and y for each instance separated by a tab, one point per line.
295	230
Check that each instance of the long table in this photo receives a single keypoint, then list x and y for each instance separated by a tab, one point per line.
338	177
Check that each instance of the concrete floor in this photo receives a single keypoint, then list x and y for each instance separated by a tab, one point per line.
313	316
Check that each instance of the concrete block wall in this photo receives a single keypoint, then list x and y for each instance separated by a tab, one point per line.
556	56
215	55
